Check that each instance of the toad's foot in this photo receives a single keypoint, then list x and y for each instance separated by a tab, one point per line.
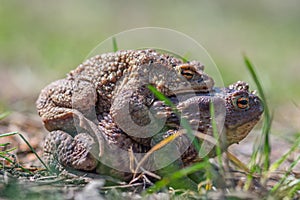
63	151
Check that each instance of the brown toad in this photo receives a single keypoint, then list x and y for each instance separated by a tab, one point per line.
115	84
237	111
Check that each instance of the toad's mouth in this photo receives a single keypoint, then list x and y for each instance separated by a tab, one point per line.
242	124
192	90
238	133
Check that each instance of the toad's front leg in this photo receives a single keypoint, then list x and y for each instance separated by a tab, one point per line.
133	112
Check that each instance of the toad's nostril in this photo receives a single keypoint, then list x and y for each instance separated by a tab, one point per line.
200	80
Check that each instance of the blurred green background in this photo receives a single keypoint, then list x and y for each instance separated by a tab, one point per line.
40	41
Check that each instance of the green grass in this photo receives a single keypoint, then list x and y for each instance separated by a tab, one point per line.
115	45
6	153
267	116
260	160
3	115
27	143
261	153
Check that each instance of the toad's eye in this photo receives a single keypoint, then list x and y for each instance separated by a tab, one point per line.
242	102
186	70
188	74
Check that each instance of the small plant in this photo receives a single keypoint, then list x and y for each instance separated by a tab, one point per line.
260	160
6	153
24	139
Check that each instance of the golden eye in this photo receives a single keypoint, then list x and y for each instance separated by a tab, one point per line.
188	74
186	70
242	102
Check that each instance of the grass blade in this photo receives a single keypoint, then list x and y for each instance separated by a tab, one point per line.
294	190
237	162
6	154
115	44
276	186
3	115
4	144
162	97
10	150
267	116
177	175
278	162
8	134
215	132
157	147
6	158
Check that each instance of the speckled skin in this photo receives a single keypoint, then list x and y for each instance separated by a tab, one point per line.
102	86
